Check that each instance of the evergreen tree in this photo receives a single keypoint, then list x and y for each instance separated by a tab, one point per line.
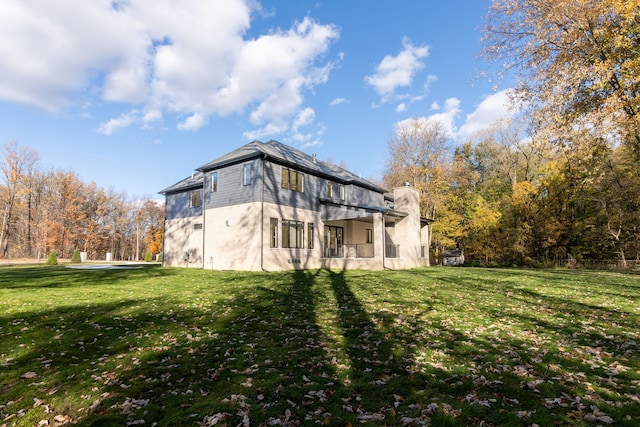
53	258
75	258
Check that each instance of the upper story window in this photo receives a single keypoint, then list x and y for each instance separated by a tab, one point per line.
214	182
195	199
342	192
329	189
247	171
292	180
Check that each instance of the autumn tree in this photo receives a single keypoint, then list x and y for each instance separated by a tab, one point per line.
617	194
153	232
17	167
417	153
67	218
577	62
148	220
45	211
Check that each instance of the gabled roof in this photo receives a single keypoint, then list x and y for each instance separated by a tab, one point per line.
289	156
196	180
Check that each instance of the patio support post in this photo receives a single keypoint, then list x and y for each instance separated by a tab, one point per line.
378	238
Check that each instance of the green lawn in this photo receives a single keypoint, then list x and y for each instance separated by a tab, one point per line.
438	346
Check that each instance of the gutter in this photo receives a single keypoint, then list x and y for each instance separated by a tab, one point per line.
204	226
384	243
164	232
262	179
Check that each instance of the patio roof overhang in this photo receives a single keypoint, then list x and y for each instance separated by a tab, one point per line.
424	221
333	210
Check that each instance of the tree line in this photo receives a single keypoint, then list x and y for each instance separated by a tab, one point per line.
54	210
561	180
510	197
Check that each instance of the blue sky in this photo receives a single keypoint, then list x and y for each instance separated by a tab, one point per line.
134	95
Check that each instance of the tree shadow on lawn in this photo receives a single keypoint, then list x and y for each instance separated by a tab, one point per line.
62	277
302	349
608	284
533	299
589	349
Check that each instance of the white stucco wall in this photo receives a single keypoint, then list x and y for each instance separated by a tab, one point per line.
180	237
238	238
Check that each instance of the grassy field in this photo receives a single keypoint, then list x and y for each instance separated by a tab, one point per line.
438	346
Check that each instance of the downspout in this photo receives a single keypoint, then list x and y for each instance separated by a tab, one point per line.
384	243
164	232
262	179
204	227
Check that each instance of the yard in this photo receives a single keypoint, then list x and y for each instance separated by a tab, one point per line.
440	346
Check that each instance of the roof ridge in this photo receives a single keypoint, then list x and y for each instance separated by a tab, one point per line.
288	155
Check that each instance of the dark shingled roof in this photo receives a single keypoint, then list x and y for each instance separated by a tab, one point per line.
194	181
278	153
288	156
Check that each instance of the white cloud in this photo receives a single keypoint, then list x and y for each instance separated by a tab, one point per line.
266	132
312	143
152	116
397	71
338	101
193	122
492	108
125	120
429	80
304	118
401	108
448	115
188	60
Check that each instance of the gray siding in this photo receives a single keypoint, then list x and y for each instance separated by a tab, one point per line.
177	206
274	193
314	188
231	190
364	197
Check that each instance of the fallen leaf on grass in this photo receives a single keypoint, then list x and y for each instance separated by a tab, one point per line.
591	418
62	420
365	418
131	405
212	420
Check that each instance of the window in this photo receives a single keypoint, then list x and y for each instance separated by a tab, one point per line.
247	171
369	235
273	233
329	189
214	182
194	199
341	190
292	234
197	226
310	235
292	180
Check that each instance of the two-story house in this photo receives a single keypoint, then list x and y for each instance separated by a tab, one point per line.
268	206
